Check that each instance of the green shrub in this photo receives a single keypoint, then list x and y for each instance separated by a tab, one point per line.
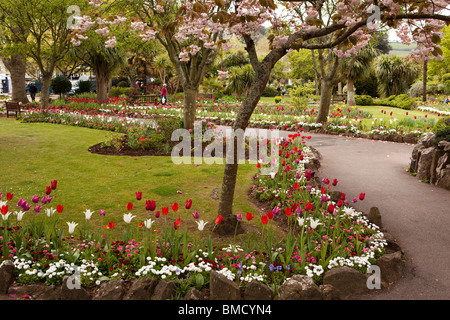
446	77
363	100
277	99
120	92
123	84
269	92
61	85
447	87
402	101
442	135
84	86
441	124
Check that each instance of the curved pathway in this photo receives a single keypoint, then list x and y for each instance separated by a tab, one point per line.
416	214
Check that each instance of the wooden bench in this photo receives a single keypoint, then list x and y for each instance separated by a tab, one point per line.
12	107
206	96
339	98
145	98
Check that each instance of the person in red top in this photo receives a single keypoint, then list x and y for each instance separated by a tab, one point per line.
164	94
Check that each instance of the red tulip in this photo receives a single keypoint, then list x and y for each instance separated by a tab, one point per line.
4	209
9	196
188	203
177	223
270	214
139	195
129	206
150	205
111	225
59	208
165	211
335	182
288	211
258	165
331	208
48	189
53	184
175	207
218	219
340	203
342	196
250	216
361	196
157	214
296	186
264	219
308	206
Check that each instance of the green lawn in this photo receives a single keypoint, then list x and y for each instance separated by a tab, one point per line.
33	154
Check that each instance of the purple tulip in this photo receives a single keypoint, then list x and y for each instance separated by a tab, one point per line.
37	208
26	207
35	198
196	215
21	202
102	213
276	211
239	216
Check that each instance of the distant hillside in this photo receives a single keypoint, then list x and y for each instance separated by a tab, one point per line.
401	49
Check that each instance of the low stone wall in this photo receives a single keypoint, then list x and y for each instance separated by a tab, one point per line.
431	163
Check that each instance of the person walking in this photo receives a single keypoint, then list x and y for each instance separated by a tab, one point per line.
33	89
164	94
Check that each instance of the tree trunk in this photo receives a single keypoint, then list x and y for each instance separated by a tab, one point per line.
350	93
325	101
190	107
45	92
16	68
425	75
229	222
102	86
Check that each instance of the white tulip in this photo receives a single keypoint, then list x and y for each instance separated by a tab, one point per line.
88	214
20	215
72	226
128	217
148	223
300	221
201	224
50	211
5	216
315	223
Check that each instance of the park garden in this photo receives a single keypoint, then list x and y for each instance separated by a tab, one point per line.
89	183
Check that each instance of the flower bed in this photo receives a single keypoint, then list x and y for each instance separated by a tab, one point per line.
322	234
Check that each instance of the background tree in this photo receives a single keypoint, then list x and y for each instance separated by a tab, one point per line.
61	85
47	38
395	75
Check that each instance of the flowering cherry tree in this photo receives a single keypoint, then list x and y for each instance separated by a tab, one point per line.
191	31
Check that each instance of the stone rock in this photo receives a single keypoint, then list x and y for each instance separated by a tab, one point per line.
195	294
444	145
142	289
37	291
6	276
391	267
74	293
221	288
392	245
424	163
415	157
300	287
437	154
329	292
347	280
427	141
409	138
164	290
374	216
443	179
111	290
257	291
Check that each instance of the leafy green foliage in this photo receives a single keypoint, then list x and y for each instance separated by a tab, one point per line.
61	85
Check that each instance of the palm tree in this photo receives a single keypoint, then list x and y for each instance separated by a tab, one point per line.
358	68
240	79
394	75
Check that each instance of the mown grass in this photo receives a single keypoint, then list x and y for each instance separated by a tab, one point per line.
33	154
